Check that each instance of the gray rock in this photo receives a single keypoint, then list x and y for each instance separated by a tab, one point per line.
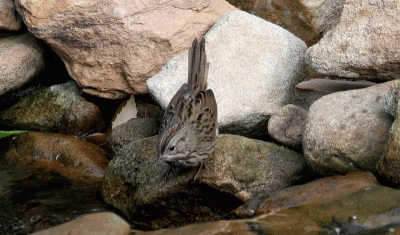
22	58
238	170
287	125
347	131
254	66
363	45
130	131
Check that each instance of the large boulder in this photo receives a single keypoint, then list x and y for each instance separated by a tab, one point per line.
238	170
254	66
348	131
303	18
112	47
363	45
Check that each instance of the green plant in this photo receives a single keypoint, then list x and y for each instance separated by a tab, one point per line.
4	134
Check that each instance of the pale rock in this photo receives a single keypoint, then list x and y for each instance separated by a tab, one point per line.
363	45
347	131
22	58
102	223
254	66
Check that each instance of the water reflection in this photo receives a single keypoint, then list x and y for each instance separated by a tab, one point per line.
33	200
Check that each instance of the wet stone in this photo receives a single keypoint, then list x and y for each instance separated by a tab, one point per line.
239	169
74	159
82	118
350	204
132	130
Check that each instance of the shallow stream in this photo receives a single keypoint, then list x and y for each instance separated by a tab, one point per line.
33	200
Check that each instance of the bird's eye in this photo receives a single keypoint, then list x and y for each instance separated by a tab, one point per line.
172	148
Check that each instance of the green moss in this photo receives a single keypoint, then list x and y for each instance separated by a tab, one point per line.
37	109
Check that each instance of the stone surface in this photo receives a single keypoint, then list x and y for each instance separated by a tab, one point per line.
287	125
307	92
363	45
22	58
315	190
238	170
71	157
333	13
389	164
339	196
303	18
82	118
103	223
254	66
9	18
49	110
134	129
347	131
112	47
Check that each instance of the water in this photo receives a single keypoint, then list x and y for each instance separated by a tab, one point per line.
32	200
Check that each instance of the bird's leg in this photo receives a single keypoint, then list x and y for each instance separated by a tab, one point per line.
202	165
167	174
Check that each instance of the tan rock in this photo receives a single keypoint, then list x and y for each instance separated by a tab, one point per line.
9	18
71	157
303	18
112	47
22	58
102	223
363	45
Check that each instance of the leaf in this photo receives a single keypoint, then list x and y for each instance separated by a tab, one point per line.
4	134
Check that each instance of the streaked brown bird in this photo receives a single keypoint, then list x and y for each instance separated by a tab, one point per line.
189	128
